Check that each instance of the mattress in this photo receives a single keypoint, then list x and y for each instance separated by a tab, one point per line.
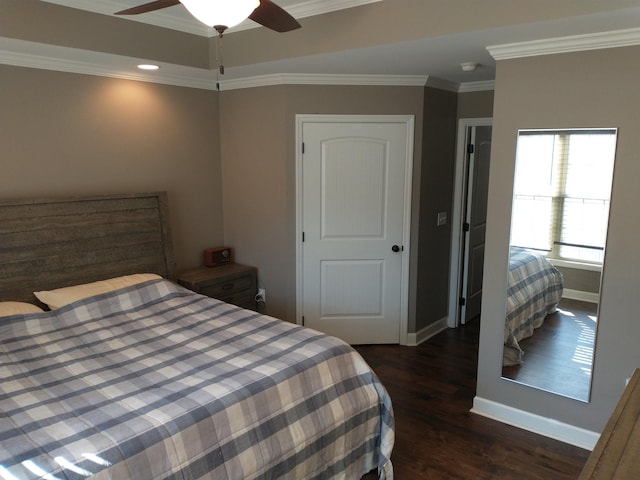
154	381
534	288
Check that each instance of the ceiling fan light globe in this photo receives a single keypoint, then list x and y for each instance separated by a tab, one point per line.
221	12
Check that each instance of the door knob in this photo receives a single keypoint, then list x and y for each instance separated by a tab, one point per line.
395	248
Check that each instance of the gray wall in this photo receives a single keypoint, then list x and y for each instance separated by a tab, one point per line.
259	180
69	134
587	281
436	194
475	104
258	147
48	23
586	89
86	134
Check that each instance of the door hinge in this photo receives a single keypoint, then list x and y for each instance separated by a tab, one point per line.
470	148
462	301
303	148
303	320
303	236
466	227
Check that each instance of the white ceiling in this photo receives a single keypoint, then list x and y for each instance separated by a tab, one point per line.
435	57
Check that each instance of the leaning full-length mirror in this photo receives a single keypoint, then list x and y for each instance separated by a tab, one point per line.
559	222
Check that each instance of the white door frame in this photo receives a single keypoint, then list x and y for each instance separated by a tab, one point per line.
409	120
457	209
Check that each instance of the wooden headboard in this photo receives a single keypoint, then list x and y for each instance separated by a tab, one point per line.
56	242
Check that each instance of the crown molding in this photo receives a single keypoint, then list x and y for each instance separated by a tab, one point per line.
184	22
442	84
324	79
319	7
477	86
466	87
21	53
574	43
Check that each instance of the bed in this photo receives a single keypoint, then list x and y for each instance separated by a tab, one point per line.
146	379
534	288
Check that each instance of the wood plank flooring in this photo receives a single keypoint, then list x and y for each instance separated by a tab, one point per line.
559	355
432	388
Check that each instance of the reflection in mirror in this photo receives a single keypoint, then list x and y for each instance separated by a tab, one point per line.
559	223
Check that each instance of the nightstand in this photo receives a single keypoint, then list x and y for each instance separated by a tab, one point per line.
233	283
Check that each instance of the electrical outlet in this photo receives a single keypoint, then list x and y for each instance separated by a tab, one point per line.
263	294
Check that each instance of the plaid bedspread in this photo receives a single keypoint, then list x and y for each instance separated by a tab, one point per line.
155	382
534	290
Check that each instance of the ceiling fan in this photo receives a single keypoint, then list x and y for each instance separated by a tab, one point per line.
264	12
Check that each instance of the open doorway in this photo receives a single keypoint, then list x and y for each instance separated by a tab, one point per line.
469	219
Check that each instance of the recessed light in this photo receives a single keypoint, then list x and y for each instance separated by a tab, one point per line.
468	66
148	66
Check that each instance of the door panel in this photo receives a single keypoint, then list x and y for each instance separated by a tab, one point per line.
354	175
353	196
338	297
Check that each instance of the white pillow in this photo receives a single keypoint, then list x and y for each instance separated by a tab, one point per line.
63	296
17	308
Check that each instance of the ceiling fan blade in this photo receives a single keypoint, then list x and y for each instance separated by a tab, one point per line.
270	15
148	7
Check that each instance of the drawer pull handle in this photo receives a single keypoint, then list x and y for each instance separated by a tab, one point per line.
227	286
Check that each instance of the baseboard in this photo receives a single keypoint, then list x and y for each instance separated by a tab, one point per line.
415	339
580	295
535	423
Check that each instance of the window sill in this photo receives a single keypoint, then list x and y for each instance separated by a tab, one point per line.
593	267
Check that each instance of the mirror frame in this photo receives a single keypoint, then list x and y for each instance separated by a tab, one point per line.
509	373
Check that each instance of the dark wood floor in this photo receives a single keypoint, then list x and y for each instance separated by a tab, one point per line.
432	388
559	355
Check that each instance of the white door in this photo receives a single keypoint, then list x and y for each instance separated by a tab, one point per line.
475	221
354	220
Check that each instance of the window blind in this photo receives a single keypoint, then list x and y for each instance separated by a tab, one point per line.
562	189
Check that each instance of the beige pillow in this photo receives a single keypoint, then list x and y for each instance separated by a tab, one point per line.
63	296
17	308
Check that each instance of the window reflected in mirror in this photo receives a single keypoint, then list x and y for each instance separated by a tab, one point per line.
560	212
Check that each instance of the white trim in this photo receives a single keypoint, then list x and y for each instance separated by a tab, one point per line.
590	297
323	79
457	209
548	427
467	87
442	84
23	53
310	8
300	119
592	267
574	43
409	120
415	339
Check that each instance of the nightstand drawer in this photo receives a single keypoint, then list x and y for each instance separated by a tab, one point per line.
245	299
221	289
233	283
